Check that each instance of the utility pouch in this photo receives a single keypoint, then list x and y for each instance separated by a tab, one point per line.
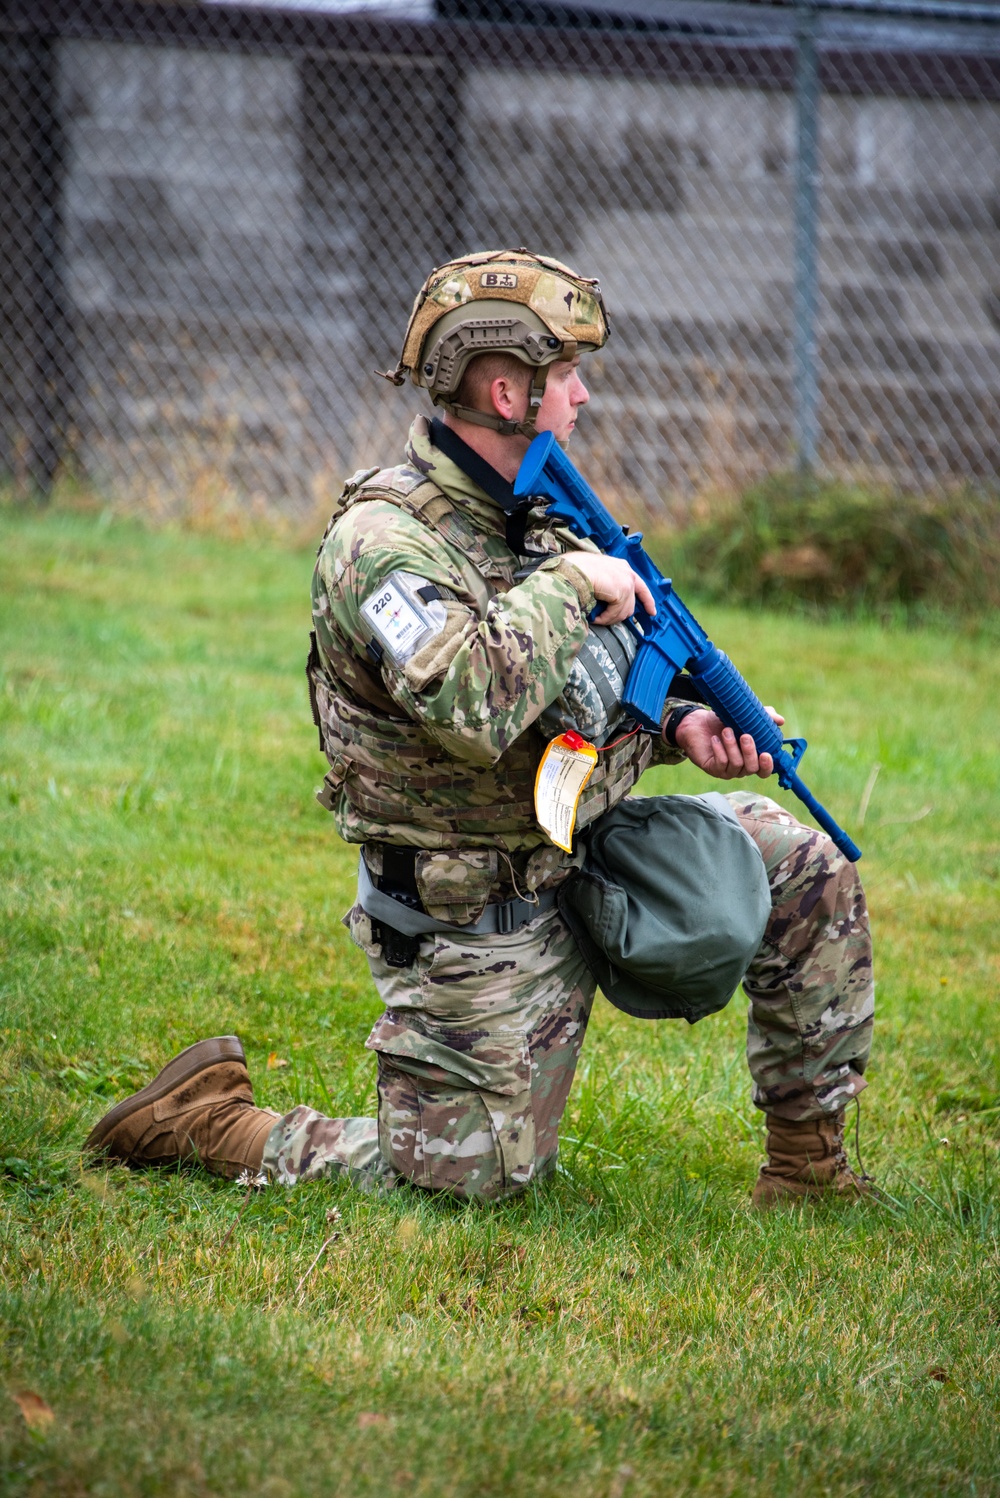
670	906
455	886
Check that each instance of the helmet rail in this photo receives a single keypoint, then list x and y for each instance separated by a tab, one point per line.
498	301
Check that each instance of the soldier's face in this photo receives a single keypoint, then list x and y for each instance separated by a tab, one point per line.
565	393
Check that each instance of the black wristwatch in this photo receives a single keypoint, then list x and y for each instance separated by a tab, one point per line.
676	718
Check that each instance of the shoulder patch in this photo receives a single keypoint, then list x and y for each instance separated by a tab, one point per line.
402	615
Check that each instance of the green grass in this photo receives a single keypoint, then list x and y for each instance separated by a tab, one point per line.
632	1329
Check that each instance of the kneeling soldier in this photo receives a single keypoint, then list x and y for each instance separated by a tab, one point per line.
451	643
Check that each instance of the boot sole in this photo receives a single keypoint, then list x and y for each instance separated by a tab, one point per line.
182	1068
788	1195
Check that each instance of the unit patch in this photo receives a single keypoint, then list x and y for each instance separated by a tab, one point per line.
403	614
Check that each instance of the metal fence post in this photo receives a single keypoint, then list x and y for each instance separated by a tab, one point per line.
34	327
806	235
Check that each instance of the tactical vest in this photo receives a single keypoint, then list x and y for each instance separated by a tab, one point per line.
389	781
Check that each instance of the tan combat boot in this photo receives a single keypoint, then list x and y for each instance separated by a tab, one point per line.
806	1159
199	1107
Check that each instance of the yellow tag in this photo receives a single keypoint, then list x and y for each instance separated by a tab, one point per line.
563	771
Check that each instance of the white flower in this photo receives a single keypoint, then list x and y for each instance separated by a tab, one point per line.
253	1181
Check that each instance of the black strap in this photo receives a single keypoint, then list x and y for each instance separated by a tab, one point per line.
485	475
475	467
674	721
608	636
597	673
314	664
516	528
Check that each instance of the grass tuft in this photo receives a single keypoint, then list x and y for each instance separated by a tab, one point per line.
815	545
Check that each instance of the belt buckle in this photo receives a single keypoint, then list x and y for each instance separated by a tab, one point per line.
506	922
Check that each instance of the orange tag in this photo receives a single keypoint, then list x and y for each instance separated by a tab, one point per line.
564	769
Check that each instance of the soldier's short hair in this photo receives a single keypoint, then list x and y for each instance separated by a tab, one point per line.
480	373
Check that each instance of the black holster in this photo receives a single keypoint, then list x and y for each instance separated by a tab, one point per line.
397	879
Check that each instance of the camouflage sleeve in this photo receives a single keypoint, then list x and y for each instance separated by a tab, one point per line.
481	680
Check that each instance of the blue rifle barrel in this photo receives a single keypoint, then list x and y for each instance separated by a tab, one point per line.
672	641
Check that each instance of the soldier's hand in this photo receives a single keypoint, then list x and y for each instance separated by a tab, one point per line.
615	585
717	750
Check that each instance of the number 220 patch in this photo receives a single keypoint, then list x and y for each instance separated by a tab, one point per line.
394	620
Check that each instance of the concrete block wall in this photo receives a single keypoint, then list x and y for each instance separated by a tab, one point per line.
244	235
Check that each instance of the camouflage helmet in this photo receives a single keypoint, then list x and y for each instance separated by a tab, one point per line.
499	301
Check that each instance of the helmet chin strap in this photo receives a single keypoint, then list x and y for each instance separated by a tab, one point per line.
501	424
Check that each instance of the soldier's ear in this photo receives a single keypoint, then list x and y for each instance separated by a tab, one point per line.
508	398
500	397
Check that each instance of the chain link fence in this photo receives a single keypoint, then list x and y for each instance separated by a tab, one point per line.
215	218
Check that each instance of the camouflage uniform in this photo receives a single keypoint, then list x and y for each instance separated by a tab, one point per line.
441	754
479	1039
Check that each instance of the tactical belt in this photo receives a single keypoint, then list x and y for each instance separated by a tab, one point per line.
403	920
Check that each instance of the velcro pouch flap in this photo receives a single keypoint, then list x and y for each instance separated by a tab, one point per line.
454	886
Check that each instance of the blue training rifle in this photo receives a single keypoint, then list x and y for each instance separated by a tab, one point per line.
672	640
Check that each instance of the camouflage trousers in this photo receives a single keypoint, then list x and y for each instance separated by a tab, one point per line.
480	1037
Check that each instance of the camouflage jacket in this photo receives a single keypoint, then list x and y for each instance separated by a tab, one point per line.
441	753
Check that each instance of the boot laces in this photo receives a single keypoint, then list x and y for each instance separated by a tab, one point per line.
862	1173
